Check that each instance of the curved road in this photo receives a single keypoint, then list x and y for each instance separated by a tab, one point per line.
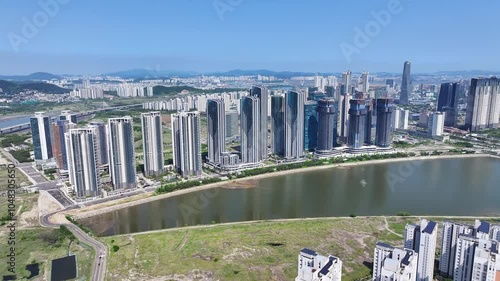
99	267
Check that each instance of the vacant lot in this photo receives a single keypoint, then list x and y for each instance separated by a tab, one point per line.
256	251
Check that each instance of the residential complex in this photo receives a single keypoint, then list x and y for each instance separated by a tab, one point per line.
394	264
82	161
122	153
152	143
186	143
483	104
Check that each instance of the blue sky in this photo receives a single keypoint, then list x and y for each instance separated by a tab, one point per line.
90	36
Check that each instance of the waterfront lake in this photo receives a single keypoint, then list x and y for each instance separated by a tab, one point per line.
441	187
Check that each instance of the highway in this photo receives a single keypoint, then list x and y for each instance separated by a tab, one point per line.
100	250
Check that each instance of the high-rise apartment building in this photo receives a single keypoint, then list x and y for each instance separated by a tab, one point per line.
406	87
186	143
315	267
394	264
357	123
310	125
152	143
327	125
365	84
232	124
448	102
59	128
347	83
216	133
262	94
383	132
82	162
294	125
451	231
278	125
102	142
41	136
436	124
250	130
427	250
483	104
464	257
67	115
122	152
343	125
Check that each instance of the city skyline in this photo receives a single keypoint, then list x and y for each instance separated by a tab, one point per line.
42	48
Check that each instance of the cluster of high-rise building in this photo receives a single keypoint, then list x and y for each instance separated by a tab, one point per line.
468	253
83	153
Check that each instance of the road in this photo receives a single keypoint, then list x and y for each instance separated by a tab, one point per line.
100	250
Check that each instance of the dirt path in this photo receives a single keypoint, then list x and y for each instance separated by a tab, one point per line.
390	230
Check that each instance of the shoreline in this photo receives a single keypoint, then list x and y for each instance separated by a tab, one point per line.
303	219
115	205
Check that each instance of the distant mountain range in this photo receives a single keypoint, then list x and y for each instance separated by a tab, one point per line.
37	76
12	88
152	74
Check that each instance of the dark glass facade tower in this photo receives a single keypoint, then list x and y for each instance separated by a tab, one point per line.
405	84
278	125
310	125
327	124
262	94
250	130
370	121
383	133
357	123
216	133
448	102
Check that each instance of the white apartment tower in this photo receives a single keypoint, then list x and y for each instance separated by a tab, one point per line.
427	250
186	143
315	267
152	142
394	264
451	231
122	152
81	152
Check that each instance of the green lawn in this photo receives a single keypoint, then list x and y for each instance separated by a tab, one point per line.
258	251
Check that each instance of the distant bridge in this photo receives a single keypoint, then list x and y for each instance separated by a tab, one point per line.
25	126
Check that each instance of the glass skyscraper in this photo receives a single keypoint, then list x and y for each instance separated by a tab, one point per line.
186	143
383	133
278	125
294	125
262	94
250	130
357	123
405	84
327	125
310	125
216	133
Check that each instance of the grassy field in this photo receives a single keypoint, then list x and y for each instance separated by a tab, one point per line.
41	246
21	179
257	251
